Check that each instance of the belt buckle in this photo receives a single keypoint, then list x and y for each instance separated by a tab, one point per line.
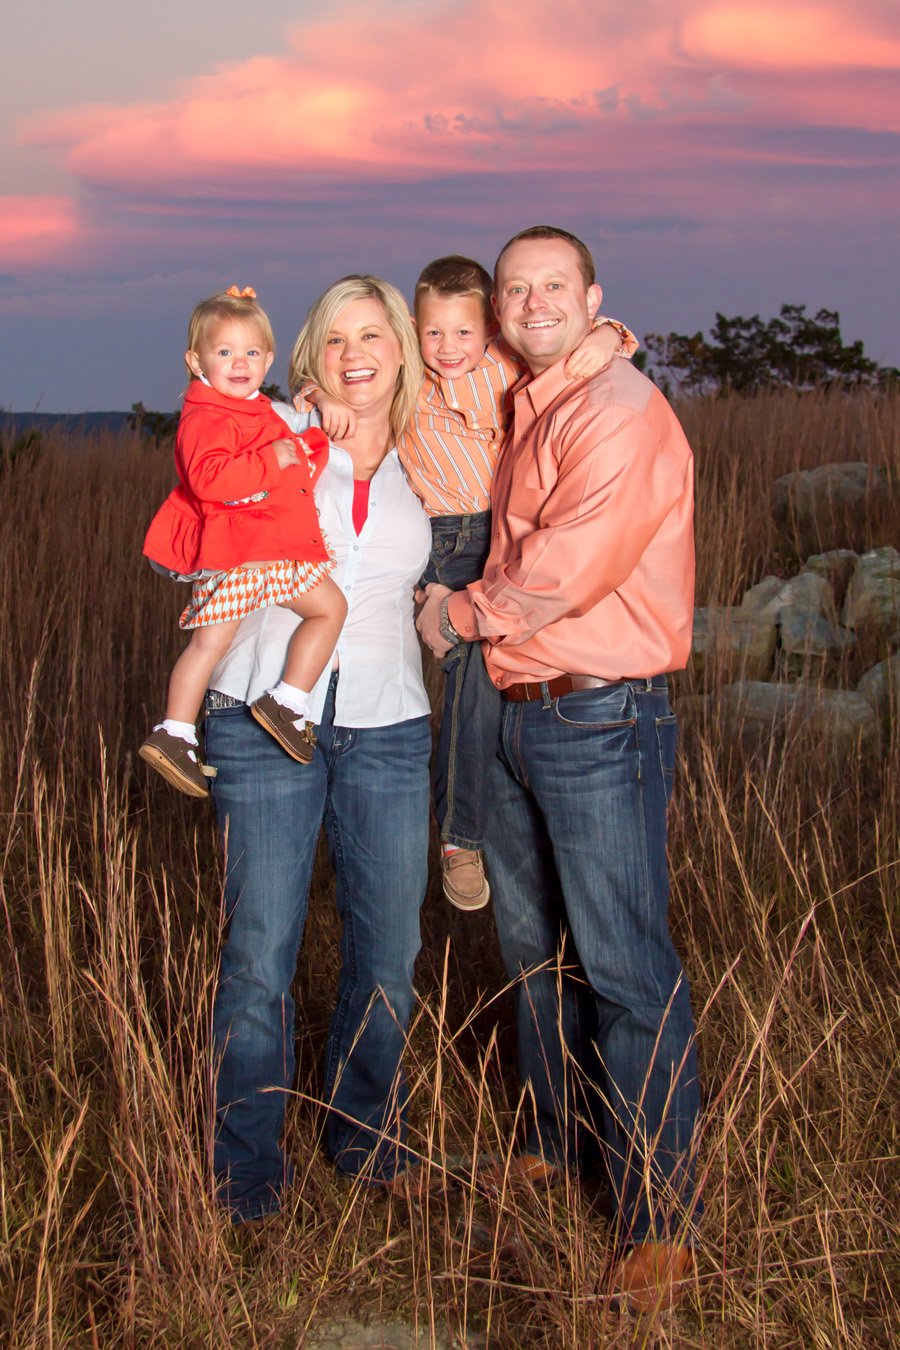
216	700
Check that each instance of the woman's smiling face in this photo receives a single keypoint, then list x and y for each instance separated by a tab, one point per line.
363	357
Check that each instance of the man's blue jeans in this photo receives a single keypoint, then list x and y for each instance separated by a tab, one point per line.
471	717
370	788
577	853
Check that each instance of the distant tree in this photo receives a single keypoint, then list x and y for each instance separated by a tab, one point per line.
274	392
23	448
795	350
160	426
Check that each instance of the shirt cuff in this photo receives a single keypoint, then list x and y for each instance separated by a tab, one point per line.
462	615
629	342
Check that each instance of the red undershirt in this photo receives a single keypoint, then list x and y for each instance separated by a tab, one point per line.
360	503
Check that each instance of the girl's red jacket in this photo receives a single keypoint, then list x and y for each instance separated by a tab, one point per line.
234	504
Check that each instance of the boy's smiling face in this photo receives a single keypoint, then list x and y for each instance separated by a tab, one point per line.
453	333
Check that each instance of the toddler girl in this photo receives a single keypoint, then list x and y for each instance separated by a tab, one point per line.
242	525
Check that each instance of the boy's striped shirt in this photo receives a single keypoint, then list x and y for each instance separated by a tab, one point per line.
450	449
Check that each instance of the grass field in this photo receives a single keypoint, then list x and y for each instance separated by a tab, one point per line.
786	908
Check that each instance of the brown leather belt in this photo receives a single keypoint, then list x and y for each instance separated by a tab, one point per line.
555	688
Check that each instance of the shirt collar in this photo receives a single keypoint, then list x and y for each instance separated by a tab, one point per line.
255	393
544	389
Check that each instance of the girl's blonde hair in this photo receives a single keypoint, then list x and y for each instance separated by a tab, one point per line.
308	357
223	306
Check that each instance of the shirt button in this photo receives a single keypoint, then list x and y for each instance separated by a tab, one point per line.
356	548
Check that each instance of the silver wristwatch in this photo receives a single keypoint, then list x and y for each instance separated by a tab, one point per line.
448	632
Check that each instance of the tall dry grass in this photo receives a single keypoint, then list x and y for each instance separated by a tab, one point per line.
785	908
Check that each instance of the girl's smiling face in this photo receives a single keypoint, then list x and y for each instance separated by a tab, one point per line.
362	356
233	357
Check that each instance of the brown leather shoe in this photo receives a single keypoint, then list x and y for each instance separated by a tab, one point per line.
255	1235
525	1169
465	884
178	761
653	1275
413	1185
299	742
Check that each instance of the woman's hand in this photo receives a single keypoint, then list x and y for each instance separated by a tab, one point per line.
595	352
286	453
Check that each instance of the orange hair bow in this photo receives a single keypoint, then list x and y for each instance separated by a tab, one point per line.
248	293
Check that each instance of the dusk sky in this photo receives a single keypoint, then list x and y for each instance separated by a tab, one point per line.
714	155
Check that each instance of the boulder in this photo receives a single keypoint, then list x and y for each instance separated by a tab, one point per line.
806	594
873	595
809	644
759	595
881	686
836	566
732	634
843	720
821	507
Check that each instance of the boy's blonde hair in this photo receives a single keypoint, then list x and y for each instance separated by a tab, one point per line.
308	357
456	275
224	306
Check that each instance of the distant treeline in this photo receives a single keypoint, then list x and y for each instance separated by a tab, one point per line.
68	422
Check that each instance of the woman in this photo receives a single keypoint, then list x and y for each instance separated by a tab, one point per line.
368	783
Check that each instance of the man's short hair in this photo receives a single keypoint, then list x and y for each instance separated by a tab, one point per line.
456	275
585	261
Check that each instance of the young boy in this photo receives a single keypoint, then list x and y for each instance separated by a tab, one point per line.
449	452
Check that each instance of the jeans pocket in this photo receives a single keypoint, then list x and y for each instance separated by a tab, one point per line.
609	708
667	742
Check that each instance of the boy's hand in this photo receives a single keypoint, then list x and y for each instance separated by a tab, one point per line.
286	453
338	421
595	352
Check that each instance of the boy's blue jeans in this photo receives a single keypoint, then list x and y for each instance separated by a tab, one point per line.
467	743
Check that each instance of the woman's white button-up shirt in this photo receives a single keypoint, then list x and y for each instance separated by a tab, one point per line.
378	650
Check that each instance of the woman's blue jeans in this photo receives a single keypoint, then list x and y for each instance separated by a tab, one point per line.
577	854
471	716
370	789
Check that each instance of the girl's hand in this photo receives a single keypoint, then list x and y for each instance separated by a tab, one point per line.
595	352
286	453
338	421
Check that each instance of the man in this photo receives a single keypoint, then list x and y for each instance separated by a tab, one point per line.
585	603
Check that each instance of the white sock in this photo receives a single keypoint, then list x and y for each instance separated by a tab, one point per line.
185	731
295	700
446	849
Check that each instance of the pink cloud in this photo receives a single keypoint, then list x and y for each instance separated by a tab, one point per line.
31	228
754	34
473	87
648	108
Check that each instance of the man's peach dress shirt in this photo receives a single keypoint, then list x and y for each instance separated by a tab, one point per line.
591	569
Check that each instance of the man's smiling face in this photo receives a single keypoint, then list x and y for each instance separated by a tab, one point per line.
542	303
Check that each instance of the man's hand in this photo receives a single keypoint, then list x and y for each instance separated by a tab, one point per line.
595	352
429	620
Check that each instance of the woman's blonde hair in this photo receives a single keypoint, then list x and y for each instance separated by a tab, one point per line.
308	357
224	305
